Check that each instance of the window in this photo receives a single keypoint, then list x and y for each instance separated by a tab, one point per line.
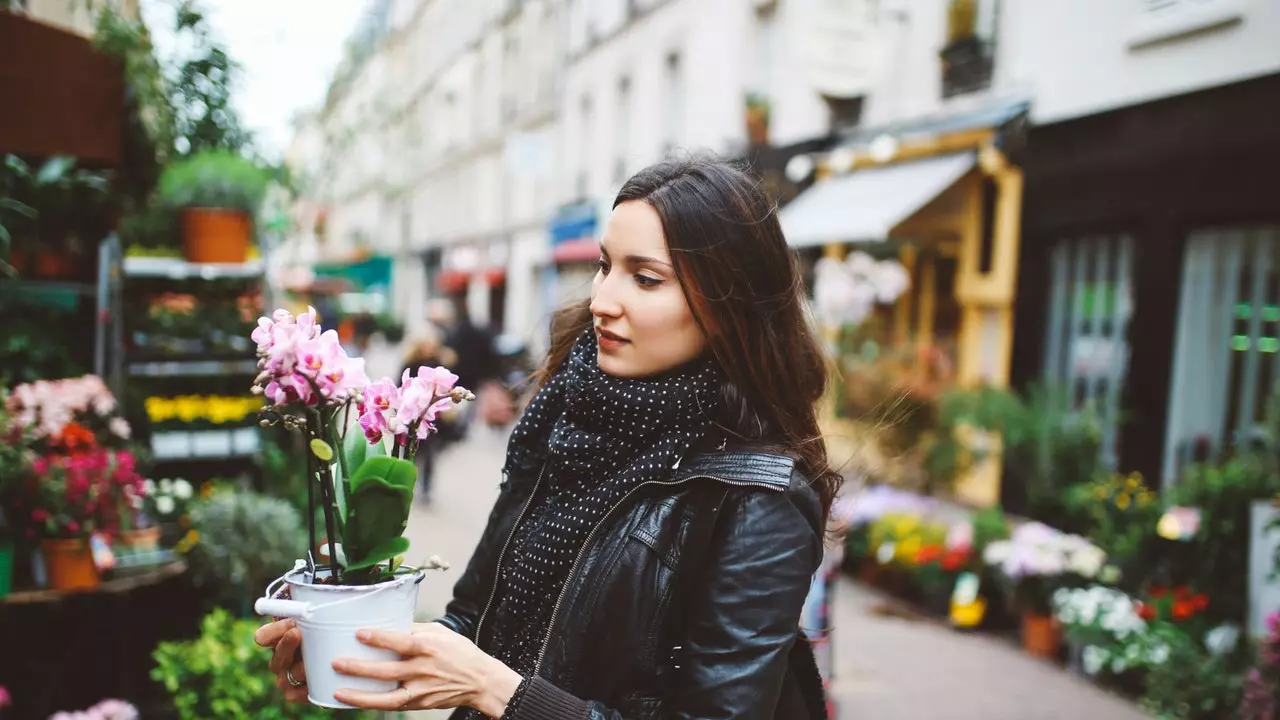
1086	343
673	104
1227	352
510	73
622	142
968	59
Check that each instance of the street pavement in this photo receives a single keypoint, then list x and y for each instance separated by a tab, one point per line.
888	667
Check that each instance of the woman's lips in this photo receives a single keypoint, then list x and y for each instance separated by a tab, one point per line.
610	342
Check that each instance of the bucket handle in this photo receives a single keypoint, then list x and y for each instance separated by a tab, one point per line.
269	604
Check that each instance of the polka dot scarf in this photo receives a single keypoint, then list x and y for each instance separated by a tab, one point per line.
600	438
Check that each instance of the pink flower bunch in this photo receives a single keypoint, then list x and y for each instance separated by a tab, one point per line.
303	364
4	697
74	495
105	710
46	407
411	410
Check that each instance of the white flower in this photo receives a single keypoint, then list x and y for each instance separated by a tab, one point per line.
1093	658
164	505
1159	653
1222	639
1087	561
149	486
166	486
119	427
181	489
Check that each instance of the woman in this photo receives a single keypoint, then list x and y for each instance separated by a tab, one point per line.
665	492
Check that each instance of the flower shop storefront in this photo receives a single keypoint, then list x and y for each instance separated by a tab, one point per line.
914	291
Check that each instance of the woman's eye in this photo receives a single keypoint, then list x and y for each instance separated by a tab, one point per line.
603	266
647	281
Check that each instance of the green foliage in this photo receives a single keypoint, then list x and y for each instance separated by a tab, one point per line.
989	525
44	204
1188	682
1217	557
224	674
378	512
1121	518
214	179
243	541
204	117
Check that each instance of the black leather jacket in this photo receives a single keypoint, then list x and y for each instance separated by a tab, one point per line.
608	654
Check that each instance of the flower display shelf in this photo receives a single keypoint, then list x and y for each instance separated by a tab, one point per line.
124	584
177	269
153	371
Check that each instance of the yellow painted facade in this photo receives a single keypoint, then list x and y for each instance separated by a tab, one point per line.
951	226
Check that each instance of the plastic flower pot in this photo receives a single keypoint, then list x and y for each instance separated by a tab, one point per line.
216	235
70	564
6	568
330	615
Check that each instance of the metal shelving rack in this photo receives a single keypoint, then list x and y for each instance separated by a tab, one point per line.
115	362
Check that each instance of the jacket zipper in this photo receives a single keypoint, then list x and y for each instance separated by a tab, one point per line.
498	568
546	640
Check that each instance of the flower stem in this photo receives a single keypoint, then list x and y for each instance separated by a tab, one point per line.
323	476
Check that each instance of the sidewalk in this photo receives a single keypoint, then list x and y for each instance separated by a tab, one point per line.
887	668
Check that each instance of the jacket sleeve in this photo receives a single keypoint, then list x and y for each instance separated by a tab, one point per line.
742	622
471	592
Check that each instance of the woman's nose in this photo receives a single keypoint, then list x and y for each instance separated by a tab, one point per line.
603	303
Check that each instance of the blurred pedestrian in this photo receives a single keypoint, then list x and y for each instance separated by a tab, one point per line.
478	367
664	495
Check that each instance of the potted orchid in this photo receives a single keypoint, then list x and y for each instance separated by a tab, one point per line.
361	437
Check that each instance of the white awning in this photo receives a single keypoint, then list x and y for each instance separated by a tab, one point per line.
865	205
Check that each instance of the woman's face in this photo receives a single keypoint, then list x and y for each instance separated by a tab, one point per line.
643	322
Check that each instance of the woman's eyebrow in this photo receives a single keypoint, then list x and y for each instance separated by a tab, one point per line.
641	259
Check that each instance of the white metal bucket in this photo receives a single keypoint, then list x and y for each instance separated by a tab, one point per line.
330	615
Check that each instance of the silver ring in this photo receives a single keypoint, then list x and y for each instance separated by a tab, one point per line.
409	695
288	675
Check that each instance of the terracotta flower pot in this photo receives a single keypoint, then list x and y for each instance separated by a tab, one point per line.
216	235
868	573
145	540
70	564
1041	635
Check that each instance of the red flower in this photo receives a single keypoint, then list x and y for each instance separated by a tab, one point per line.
1158	591
1181	593
928	554
1146	612
954	560
39	514
1183	610
1199	601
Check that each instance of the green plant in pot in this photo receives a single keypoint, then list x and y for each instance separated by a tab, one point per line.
217	193
361	473
51	214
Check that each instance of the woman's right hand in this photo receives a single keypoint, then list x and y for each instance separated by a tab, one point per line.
285	639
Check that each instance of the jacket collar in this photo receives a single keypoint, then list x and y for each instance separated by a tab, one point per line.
739	466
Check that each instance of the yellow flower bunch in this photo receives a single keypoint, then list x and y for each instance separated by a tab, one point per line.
187	542
217	409
907	533
1123	491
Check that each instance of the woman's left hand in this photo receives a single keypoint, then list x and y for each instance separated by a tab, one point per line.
439	669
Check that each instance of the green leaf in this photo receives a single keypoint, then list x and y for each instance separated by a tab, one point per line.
15	206
321	449
54	169
378	509
389	550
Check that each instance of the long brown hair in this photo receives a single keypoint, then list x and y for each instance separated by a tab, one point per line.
744	287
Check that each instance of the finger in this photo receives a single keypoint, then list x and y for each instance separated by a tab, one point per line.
291	693
376	669
286	651
268	635
397	642
299	671
394	700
